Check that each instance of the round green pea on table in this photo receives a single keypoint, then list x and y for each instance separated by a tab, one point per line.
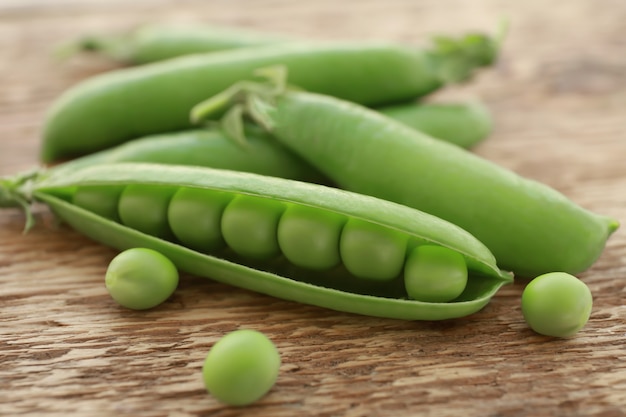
241	367
141	278
557	304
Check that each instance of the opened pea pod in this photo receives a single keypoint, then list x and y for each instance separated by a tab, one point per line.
293	240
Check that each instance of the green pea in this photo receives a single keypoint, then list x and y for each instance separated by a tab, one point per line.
249	226
435	274
556	304
309	237
99	200
141	278
195	217
241	367
145	208
371	251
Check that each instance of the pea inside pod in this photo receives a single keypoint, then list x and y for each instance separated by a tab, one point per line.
309	237
202	230
247	263
249	224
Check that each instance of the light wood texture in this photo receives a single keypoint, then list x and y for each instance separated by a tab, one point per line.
558	96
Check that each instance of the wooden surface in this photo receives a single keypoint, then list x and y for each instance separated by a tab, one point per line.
558	97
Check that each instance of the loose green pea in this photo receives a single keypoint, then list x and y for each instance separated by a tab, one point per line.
556	304
195	217
371	251
309	237
435	274
145	208
141	278
249	226
99	200
241	367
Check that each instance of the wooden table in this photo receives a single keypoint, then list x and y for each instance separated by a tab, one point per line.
558	96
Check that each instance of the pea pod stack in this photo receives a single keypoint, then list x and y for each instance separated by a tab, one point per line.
420	232
341	250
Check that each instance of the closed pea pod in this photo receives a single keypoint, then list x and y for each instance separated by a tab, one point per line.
208	148
530	227
463	124
264	155
420	228
151	43
117	106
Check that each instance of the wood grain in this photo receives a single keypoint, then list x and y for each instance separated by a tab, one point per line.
558	96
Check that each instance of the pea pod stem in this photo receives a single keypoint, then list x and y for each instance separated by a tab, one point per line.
487	278
16	192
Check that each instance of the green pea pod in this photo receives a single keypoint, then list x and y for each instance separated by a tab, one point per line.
462	124
208	148
153	43
270	226
120	105
530	227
